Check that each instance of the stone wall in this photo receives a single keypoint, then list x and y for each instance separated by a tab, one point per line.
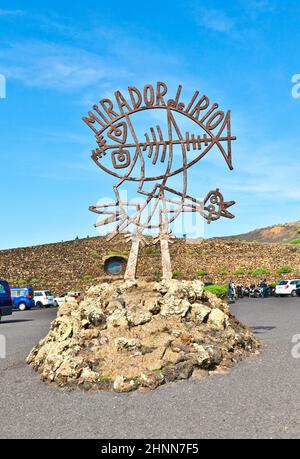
78	264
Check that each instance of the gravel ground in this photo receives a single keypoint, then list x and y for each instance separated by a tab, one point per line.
257	399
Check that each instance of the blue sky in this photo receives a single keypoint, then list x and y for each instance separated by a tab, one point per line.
60	57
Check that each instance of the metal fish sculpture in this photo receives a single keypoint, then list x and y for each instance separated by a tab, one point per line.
121	154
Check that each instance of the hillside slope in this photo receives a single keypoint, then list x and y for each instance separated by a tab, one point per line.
78	264
283	233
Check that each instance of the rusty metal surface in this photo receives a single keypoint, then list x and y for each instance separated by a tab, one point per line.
121	153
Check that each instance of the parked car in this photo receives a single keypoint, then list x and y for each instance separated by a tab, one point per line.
298	289
287	287
22	298
66	296
5	299
43	298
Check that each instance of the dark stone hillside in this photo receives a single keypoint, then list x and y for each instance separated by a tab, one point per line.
283	233
75	265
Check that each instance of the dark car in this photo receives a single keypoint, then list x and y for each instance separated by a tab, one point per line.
5	299
298	288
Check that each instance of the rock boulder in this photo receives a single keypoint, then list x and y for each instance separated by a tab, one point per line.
129	335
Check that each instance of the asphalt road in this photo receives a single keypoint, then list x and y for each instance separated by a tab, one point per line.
260	398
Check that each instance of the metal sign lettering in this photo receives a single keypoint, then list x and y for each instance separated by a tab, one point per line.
156	157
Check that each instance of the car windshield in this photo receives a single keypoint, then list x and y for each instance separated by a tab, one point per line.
48	293
3	288
283	283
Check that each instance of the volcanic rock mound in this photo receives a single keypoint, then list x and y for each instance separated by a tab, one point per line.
128	335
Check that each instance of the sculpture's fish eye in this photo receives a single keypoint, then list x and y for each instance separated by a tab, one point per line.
118	132
120	158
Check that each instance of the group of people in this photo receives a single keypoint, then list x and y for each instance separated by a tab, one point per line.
235	291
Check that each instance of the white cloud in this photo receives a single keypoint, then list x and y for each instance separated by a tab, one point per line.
259	4
254	8
68	68
218	20
264	173
59	137
214	19
98	58
55	66
11	12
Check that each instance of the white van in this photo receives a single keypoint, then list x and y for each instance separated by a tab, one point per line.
65	297
43	298
287	287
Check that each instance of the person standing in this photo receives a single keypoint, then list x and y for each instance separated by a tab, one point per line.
265	288
234	290
230	291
